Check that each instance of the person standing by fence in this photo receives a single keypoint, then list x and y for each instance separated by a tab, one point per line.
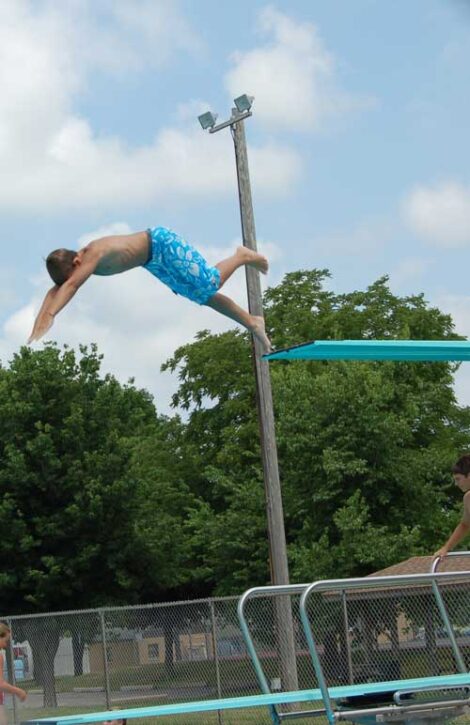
6	687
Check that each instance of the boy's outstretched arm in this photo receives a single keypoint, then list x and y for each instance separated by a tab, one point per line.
43	313
58	297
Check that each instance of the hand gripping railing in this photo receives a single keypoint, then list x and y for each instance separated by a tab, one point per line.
451	555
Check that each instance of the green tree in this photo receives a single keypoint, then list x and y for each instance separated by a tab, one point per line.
364	448
226	524
66	439
162	465
94	497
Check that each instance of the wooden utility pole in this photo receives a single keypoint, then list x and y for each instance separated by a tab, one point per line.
274	508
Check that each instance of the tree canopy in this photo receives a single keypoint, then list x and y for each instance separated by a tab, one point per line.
364	448
105	501
74	501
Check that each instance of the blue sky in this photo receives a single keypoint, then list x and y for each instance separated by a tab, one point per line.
358	150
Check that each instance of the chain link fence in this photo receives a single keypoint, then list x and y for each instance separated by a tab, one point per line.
148	655
129	657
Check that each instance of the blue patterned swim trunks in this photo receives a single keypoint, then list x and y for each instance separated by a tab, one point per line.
181	267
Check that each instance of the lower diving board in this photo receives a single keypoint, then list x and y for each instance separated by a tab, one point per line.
266	700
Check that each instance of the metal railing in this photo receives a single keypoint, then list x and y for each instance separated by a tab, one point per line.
368	629
377	583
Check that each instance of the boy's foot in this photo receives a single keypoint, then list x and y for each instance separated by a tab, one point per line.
259	332
254	259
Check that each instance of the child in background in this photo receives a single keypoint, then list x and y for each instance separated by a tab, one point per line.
4	685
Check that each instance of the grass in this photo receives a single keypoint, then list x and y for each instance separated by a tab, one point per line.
234	674
237	678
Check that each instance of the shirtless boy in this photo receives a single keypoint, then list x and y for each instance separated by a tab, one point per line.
461	473
165	255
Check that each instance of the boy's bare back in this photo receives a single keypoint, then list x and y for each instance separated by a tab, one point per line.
117	253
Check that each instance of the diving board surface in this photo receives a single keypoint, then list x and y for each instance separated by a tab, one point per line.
411	350
234	703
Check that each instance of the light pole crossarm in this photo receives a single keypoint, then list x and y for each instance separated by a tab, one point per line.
235	119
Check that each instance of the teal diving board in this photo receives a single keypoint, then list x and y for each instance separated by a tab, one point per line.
411	350
262	700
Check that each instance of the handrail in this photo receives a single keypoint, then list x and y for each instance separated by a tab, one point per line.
438	559
367	583
443	609
384	581
342	585
256	592
448	626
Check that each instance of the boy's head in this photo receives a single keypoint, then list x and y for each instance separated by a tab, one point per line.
461	473
60	264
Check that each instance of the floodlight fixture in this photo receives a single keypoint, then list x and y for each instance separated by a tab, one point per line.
207	120
244	103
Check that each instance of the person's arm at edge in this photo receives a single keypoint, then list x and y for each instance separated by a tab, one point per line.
460	531
10	689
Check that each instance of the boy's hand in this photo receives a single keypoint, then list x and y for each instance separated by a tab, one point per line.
440	552
22	694
42	325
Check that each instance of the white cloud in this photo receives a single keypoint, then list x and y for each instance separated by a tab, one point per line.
78	170
48	50
136	321
118	36
292	76
53	159
440	214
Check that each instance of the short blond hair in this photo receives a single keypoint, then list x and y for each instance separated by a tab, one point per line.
4	630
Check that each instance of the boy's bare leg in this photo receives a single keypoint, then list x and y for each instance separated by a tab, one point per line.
242	256
226	306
